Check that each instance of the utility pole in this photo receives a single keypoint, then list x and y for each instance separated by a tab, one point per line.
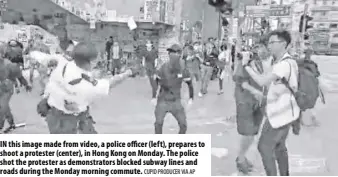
306	7
240	22
205	3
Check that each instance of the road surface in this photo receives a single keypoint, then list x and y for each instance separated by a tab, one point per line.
128	111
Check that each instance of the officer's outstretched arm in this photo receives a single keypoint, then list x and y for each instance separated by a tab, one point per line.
118	79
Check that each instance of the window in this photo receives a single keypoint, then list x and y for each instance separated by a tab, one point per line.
335	35
323	13
324	2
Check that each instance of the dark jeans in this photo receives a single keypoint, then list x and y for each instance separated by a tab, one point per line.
5	109
176	109
272	148
150	73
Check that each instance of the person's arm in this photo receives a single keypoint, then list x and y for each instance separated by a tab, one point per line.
251	89
187	79
16	72
191	88
118	79
156	59
31	71
266	79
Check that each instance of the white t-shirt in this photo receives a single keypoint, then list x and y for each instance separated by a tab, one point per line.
224	56
82	94
44	59
116	52
283	109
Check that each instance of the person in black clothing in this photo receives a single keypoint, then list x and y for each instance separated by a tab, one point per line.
233	50
210	58
170	77
149	62
109	43
14	53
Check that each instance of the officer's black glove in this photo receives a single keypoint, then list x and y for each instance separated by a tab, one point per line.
43	107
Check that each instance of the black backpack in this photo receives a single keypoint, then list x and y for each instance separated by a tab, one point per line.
308	84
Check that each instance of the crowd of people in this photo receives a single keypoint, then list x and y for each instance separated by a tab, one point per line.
269	82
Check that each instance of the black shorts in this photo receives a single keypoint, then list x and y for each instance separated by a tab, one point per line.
249	119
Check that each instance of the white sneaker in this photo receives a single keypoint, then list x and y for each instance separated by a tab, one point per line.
200	94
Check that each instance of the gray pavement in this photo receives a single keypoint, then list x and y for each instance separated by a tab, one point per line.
128	110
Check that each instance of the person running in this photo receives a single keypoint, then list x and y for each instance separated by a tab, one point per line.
192	63
72	88
170	77
207	67
149	62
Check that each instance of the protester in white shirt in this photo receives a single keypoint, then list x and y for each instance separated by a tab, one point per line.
41	61
70	91
116	55
224	66
281	109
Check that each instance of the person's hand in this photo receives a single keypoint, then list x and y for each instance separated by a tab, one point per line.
259	96
28	88
17	89
156	62
153	101
246	58
190	102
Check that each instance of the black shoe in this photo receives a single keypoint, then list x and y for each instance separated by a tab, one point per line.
244	167
10	128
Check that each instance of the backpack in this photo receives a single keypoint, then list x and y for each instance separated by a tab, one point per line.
308	84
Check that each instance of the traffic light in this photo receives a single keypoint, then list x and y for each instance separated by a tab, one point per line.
223	6
306	19
225	22
264	24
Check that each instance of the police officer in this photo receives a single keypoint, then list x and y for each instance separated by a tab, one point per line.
70	91
14	53
9	72
170	77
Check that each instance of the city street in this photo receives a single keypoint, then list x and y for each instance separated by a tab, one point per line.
128	111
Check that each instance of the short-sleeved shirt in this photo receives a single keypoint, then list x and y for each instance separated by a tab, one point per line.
240	76
82	94
192	62
44	59
282	108
9	70
150	57
171	82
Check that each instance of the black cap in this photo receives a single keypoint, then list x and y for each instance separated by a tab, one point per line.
174	48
